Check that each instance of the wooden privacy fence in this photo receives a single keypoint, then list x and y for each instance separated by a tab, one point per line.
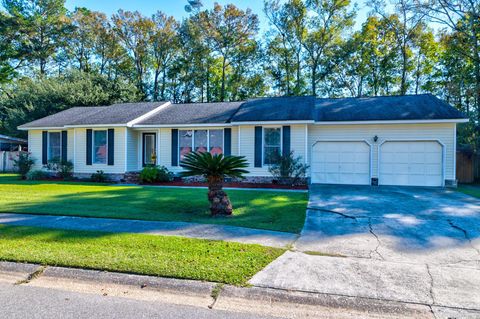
468	167
6	161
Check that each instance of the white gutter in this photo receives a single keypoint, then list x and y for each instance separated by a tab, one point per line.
39	128
182	125
273	122
391	122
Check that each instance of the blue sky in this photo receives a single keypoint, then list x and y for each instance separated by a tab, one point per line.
176	7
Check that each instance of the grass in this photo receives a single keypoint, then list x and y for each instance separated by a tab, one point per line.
470	190
280	211
223	262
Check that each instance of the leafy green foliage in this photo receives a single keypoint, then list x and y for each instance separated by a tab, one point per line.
289	169
62	169
23	163
152	174
99	177
207	165
36	175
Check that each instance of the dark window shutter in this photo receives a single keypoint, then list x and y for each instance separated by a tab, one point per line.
44	147
89	147
286	140
258	146
64	146
227	141
174	147
111	147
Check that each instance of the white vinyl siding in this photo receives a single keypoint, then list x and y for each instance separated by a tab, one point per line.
444	132
247	146
133	150
119	153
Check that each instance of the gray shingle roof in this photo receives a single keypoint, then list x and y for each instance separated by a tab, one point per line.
294	108
385	108
66	117
307	108
194	113
118	113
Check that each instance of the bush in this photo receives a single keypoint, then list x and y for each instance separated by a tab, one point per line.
289	169
23	163
152	174
99	177
36	175
62	169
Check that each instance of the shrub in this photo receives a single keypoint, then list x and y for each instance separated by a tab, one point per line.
152	174
289	169
36	175
62	169
23	163
99	177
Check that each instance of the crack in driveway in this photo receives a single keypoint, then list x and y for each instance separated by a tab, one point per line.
465	234
332	212
370	227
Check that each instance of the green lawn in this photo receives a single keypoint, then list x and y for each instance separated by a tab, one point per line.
470	190
279	211
177	257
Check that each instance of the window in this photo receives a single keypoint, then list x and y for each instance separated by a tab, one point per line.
149	147
200	141
216	142
99	147
186	138
54	146
272	145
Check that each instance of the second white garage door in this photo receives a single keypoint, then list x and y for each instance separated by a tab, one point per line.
338	162
412	163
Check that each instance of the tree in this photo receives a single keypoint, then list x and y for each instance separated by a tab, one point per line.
229	30
31	99
42	26
407	24
133	29
164	44
330	19
215	168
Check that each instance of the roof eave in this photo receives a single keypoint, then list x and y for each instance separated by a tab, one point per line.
462	120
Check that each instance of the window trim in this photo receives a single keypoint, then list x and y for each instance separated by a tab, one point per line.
193	139
145	134
93	146
263	142
48	145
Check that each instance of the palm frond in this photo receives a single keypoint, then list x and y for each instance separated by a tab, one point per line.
206	164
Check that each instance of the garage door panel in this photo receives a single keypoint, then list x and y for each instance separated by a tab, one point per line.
412	163
341	163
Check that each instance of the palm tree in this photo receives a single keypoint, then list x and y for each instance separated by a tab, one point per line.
215	168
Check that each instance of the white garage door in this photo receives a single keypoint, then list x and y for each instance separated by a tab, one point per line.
411	163
341	163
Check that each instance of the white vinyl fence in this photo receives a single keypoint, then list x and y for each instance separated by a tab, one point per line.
6	161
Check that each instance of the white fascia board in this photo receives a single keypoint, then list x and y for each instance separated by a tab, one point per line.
391	122
39	128
181	125
272	122
95	125
148	114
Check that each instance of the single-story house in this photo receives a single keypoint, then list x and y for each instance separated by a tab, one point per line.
397	140
9	143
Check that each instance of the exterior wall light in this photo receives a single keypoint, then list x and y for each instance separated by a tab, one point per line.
375	138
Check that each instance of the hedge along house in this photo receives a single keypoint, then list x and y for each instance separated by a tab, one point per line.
399	140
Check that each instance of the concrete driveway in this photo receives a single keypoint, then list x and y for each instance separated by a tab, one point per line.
413	245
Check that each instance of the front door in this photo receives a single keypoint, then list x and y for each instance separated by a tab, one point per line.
149	149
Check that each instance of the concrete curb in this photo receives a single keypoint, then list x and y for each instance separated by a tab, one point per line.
246	296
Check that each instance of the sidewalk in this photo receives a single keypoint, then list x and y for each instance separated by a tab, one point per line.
184	229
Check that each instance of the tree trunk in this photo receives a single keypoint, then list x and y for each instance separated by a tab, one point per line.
222	93
219	202
155	85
